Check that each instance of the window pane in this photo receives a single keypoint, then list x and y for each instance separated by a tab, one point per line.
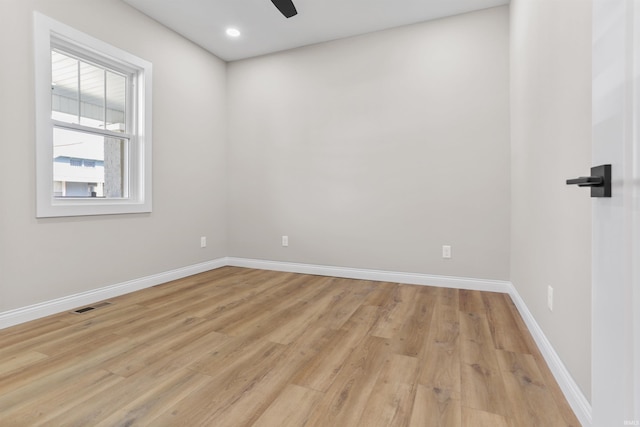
116	101
92	88
64	87
86	165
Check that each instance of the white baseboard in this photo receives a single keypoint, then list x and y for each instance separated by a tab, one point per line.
572	392
576	398
47	308
377	275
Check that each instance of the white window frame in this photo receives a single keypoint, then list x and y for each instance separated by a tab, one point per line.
49	33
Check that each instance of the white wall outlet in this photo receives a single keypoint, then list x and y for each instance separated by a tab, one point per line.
550	298
446	251
203	241
285	240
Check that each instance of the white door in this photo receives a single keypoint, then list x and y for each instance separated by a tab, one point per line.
616	221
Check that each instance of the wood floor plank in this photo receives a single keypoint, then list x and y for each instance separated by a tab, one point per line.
528	390
30	412
80	335
241	347
21	336
441	353
20	361
435	407
239	394
503	326
391	402
146	406
393	314
345	303
482	384
13	345
346	398
552	385
45	378
184	355
236	353
448	297
226	388
478	418
235	282
471	301
271	315
148	352
254	301
411	336
291	408
253	401
516	315
153	384
324	368
292	323
215	305
382	294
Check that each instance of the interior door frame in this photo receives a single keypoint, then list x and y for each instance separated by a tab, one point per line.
616	221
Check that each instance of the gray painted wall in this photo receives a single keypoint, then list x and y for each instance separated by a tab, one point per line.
375	151
551	141
41	260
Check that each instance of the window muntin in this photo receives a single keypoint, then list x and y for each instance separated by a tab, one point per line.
93	125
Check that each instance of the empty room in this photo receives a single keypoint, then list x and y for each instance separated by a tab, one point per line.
320	213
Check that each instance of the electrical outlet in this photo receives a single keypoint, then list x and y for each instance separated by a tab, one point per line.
550	298
285	240
203	242
446	251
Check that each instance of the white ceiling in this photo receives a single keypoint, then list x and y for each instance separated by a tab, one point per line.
265	30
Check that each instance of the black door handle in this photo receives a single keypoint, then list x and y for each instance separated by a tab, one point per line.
599	181
586	181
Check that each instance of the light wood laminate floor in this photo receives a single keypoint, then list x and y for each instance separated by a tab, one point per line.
240	347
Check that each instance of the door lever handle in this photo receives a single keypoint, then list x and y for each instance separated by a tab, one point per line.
599	181
586	181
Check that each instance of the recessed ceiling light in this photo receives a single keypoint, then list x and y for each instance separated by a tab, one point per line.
233	32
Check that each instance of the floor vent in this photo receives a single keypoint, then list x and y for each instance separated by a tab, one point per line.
91	307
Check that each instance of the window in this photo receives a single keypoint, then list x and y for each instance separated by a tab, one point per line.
93	125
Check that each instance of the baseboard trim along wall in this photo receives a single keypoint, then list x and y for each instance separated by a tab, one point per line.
47	308
574	395
376	275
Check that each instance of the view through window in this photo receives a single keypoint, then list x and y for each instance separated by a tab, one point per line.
87	161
